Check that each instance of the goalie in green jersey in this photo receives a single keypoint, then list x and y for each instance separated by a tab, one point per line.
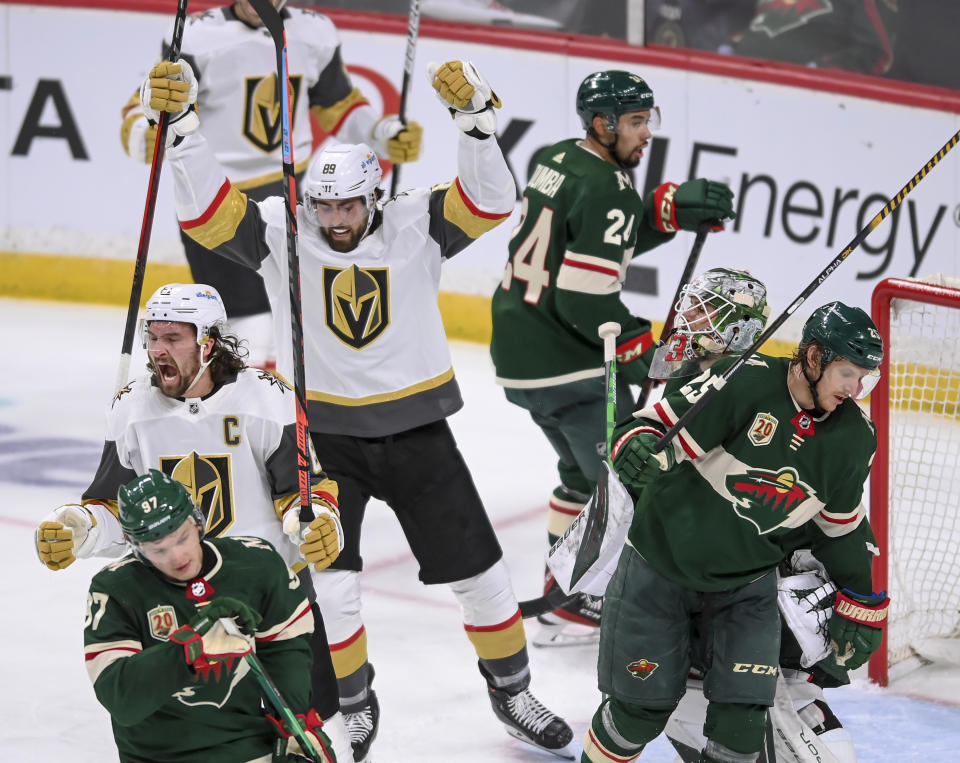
168	628
582	224
781	448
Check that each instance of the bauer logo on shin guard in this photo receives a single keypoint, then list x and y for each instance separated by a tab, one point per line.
642	669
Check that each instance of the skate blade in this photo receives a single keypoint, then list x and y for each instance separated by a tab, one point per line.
567	634
562	752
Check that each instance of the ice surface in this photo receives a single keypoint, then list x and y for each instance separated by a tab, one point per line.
61	362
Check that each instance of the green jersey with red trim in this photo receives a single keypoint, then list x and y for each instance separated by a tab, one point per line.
160	708
752	466
582	223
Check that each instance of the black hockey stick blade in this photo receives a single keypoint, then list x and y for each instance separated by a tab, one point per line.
553	598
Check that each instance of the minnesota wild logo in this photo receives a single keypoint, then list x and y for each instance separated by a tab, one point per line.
767	498
642	669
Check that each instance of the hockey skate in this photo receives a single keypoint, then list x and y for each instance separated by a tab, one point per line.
526	719
362	726
576	623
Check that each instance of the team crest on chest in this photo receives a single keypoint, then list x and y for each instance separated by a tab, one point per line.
209	480
356	303
262	123
163	621
762	429
768	498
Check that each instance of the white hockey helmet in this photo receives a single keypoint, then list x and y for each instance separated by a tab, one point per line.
343	171
195	303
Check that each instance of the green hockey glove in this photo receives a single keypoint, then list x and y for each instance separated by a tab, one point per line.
634	459
687	205
207	644
856	627
288	748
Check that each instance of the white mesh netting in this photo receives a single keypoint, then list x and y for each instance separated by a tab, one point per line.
924	486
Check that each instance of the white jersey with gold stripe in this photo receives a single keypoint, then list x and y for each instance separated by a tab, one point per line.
234	450
236	65
376	355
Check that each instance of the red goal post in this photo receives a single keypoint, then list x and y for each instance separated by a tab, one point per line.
914	484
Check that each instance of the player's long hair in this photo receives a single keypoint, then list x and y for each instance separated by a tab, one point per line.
229	356
799	357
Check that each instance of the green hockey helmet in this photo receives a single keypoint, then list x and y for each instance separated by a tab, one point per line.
154	505
845	332
612	93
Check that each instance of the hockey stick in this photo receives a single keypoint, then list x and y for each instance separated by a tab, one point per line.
413	32
140	266
273	21
554	597
717	383
272	692
702	230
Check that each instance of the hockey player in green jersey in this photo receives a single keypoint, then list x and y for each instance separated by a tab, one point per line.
161	657
780	447
582	223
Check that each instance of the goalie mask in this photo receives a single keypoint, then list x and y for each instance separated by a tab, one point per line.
194	303
720	311
337	174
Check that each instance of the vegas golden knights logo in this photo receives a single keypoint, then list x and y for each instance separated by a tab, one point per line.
210	484
357	303
262	124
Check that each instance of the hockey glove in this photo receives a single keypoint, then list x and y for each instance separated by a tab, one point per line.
321	540
138	136
397	141
633	358
468	96
634	459
288	748
208	642
856	627
171	88
68	532
687	205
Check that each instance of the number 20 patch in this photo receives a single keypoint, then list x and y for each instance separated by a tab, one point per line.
762	429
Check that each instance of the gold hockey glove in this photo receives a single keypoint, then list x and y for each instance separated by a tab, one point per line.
320	541
171	88
397	141
64	535
468	96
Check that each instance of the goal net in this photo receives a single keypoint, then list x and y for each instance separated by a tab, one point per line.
914	483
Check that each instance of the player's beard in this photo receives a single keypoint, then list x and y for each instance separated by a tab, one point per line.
345	243
174	379
628	161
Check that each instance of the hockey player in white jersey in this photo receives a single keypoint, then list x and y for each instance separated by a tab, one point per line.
234	64
379	377
228	433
